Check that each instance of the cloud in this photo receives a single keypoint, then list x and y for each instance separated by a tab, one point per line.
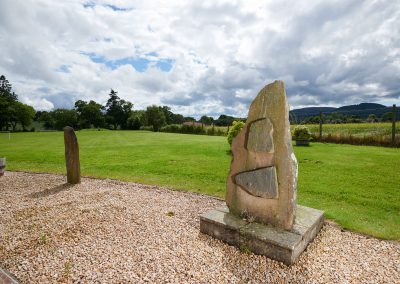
201	57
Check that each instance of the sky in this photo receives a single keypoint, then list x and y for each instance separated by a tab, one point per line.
201	57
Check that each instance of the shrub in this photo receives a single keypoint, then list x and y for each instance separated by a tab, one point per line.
234	130
148	128
301	132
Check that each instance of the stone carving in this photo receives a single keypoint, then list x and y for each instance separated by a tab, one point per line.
261	186
265	143
72	156
261	182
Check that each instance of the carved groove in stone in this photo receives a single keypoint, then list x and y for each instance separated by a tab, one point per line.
261	182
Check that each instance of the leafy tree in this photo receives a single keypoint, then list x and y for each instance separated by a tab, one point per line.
169	115
8	99
47	119
64	117
189	119
136	119
155	117
24	114
177	119
224	120
206	119
89	114
387	116
118	111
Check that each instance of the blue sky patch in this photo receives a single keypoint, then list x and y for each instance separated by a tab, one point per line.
140	64
165	65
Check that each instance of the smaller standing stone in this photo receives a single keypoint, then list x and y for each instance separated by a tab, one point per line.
72	156
2	166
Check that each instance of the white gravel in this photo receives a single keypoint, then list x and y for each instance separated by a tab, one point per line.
106	231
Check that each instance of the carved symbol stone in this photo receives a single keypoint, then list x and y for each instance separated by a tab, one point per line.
264	142
260	182
72	156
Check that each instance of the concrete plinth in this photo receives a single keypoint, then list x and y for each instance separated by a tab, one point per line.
275	243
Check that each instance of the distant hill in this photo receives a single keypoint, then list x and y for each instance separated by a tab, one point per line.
362	110
362	106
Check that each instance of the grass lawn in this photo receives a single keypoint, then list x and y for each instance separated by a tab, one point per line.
357	186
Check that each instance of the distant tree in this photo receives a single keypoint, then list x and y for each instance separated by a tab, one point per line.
89	114
353	119
155	117
118	111
372	118
8	100
24	114
189	119
224	120
169	115
47	119
387	116
206	119
64	117
177	119
136	120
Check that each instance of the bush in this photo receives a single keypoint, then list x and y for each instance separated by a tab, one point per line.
148	128
234	130
301	132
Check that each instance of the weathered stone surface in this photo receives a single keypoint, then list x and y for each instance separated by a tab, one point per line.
268	112
222	225
2	166
72	156
7	278
276	243
261	182
260	136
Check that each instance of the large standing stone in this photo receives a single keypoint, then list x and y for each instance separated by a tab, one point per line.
261	186
265	141
72	156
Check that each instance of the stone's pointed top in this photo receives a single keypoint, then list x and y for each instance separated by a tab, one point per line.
265	141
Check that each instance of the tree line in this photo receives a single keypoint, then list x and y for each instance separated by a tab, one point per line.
117	113
339	118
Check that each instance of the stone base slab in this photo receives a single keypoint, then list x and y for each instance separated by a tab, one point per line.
275	243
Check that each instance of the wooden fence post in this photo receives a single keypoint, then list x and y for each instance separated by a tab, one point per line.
72	156
320	125
394	125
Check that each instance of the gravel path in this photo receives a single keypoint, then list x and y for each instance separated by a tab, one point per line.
105	231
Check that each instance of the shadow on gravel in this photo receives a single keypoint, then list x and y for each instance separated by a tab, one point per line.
51	191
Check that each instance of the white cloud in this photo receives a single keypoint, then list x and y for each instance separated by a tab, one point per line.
223	52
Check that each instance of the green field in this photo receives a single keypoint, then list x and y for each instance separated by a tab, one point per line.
374	129
357	186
